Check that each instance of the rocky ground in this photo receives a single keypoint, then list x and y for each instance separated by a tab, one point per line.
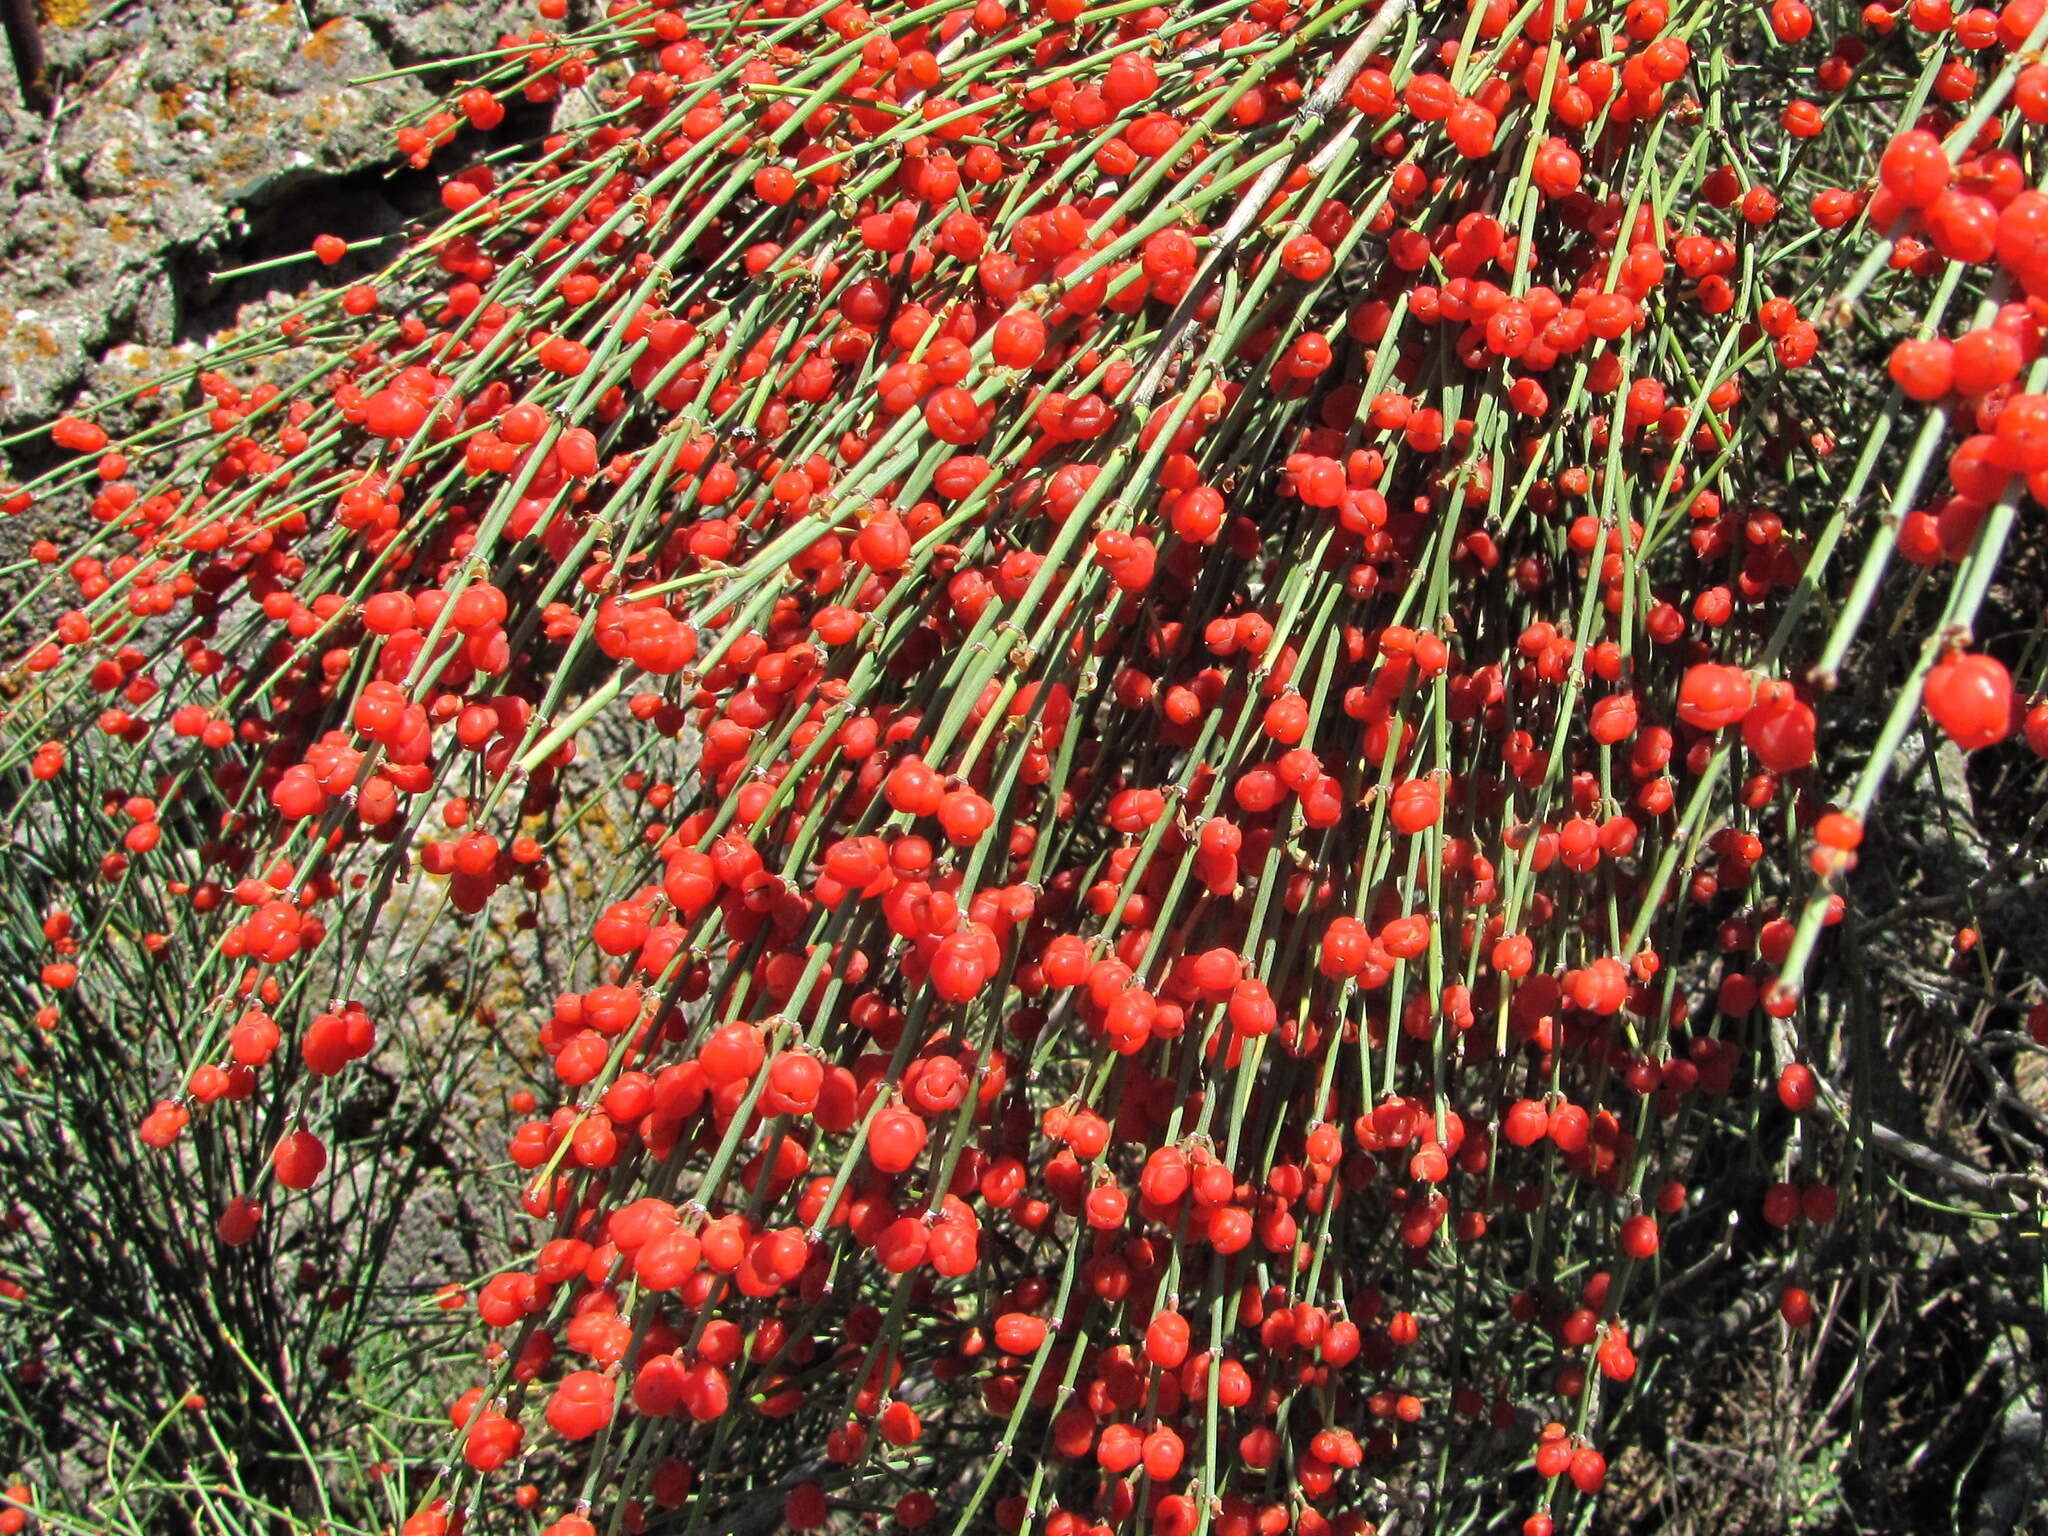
182	141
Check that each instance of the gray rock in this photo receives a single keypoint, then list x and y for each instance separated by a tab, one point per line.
187	139
178	129
412	31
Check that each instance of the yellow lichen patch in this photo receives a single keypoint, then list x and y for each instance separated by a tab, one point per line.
32	341
325	119
238	157
65	13
325	45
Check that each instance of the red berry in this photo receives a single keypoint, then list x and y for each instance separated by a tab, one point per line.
1797	1090
1970	697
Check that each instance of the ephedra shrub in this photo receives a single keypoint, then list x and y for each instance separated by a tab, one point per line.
1183	699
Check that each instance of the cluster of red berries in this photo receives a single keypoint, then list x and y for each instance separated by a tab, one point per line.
1178	612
